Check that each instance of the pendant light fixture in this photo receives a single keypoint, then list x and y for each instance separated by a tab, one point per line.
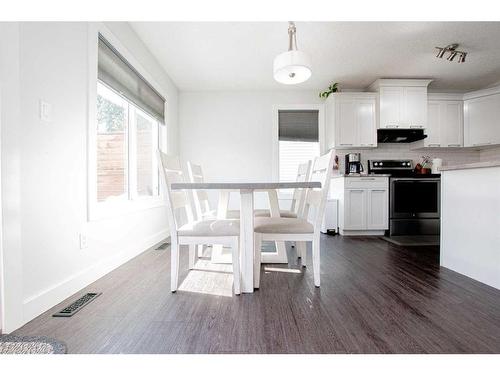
293	66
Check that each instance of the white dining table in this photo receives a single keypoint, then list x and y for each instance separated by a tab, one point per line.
246	191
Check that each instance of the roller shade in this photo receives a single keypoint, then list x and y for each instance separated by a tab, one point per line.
298	125
116	72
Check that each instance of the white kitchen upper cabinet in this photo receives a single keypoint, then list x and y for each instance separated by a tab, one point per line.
351	120
345	122
414	114
445	123
452	124
402	103
433	130
355	204
366	122
482	120
391	107
377	203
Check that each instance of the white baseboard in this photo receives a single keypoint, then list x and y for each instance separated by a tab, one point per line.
45	300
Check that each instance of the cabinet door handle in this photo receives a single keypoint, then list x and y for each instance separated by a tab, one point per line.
392	126
380	190
366	144
434	145
346	144
368	178
482	144
454	145
415	127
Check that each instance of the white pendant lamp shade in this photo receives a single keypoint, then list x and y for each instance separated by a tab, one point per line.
293	66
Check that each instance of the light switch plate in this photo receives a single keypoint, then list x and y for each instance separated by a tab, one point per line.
83	241
45	111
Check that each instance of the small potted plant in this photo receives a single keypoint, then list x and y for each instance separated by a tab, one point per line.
426	165
331	89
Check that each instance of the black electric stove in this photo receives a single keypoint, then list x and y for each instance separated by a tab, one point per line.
414	199
396	168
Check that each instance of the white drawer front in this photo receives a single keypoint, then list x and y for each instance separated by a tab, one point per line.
366	182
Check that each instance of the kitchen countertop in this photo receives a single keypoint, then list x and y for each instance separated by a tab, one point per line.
483	164
359	175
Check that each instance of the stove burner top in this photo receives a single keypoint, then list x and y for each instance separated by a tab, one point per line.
396	168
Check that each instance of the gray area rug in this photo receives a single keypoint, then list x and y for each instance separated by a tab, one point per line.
10	344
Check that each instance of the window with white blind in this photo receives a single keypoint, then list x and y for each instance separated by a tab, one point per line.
298	134
129	114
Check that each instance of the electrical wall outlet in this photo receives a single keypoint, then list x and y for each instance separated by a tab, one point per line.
83	241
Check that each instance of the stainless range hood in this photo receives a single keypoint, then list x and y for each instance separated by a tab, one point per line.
400	135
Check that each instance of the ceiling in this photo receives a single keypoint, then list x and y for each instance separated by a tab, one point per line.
239	55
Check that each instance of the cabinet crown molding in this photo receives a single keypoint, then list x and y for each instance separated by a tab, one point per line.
444	96
481	93
394	82
352	94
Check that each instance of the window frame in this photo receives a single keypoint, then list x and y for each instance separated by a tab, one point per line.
275	136
103	210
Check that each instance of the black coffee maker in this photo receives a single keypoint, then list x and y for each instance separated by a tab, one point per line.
353	163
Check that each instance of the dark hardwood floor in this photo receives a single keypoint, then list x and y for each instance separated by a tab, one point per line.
374	298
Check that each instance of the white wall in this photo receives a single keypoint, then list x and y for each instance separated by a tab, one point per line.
10	247
53	66
230	133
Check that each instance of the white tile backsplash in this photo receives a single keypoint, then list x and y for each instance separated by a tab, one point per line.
402	151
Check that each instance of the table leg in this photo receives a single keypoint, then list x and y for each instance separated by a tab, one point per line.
279	256
246	240
219	253
223	204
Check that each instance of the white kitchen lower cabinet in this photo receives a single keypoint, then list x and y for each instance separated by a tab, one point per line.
355	209
377	208
363	204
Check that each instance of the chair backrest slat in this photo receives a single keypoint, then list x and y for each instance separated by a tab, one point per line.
298	199
200	197
316	198
171	172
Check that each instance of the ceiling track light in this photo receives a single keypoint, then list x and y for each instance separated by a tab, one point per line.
452	49
452	56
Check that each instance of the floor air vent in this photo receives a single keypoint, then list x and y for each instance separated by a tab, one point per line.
163	246
77	305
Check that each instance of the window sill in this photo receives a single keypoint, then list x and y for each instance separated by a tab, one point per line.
112	210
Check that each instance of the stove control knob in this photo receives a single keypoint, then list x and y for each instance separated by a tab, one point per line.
408	164
381	163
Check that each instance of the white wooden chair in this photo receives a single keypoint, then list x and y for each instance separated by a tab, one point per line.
204	211
202	202
298	229
199	232
200	197
298	196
